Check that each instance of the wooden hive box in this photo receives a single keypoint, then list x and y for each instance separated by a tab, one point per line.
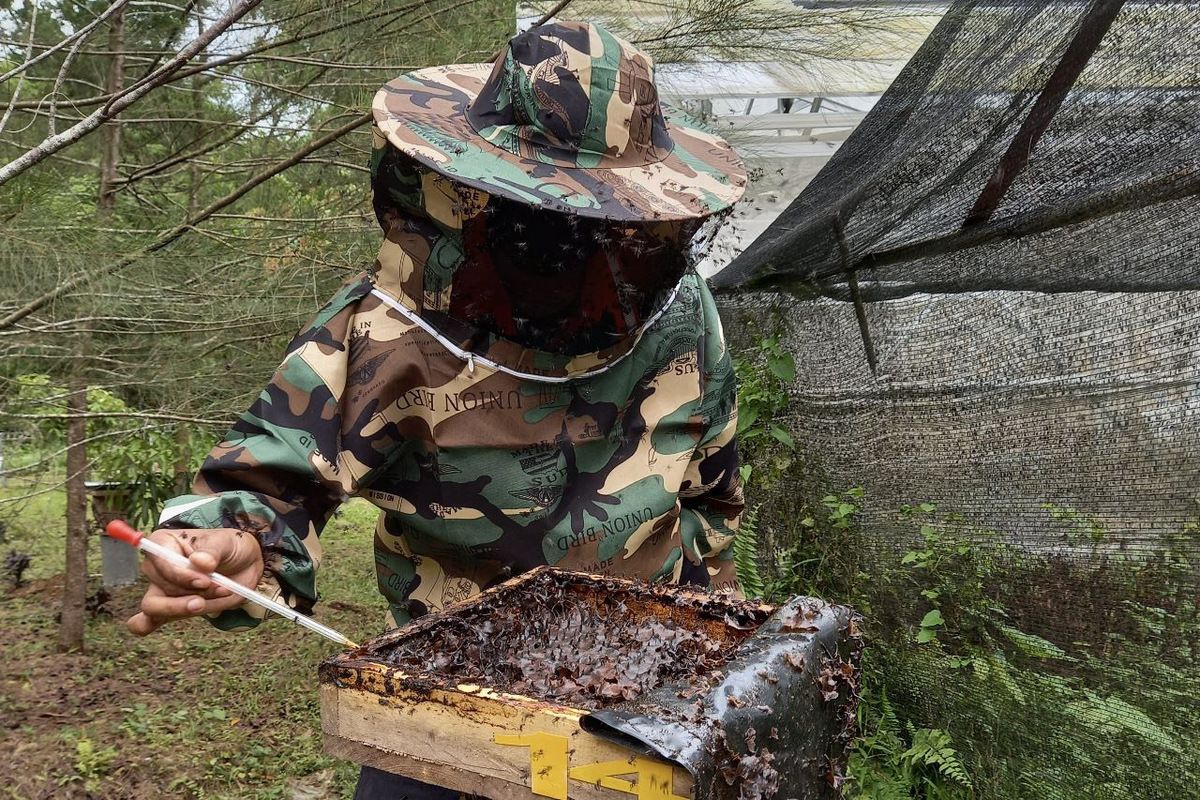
505	746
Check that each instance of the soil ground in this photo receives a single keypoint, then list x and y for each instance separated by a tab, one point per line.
189	712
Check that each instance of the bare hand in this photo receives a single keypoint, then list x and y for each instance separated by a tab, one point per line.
178	593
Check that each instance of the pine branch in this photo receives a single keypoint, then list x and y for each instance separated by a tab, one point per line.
127	97
77	37
166	238
249	54
33	15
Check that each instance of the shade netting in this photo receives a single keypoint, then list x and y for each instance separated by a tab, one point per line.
1011	235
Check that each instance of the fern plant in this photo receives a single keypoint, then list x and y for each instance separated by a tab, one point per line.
883	766
933	760
745	554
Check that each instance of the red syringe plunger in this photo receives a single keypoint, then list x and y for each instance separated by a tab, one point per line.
122	531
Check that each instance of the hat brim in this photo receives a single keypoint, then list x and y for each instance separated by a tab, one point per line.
423	114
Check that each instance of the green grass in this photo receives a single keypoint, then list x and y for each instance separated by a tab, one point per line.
33	515
188	712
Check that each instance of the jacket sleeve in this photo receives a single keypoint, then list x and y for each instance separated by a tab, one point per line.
279	473
711	492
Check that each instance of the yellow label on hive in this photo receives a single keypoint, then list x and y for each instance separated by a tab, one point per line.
547	761
653	779
550	769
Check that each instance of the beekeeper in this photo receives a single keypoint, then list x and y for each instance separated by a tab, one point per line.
529	374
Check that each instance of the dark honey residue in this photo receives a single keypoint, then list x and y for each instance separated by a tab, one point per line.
554	643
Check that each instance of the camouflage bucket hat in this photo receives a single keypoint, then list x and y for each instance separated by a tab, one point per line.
567	118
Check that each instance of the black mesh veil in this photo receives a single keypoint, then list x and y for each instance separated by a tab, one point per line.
545	279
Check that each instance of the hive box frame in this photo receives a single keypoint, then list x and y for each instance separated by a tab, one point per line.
481	741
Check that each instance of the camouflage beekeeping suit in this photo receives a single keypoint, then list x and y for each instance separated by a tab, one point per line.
601	439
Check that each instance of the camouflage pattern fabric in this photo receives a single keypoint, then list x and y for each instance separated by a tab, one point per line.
632	472
479	474
567	118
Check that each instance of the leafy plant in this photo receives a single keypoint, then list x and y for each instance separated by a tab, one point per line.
843	508
822	559
929	625
1067	673
91	765
931	753
745	554
763	381
1076	526
123	449
138	721
891	761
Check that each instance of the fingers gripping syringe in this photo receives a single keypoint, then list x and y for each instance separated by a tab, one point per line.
123	531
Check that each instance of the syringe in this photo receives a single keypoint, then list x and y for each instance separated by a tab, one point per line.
123	531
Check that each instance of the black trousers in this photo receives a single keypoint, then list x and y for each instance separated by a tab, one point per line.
374	784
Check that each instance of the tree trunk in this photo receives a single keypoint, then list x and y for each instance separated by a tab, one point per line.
110	150
75	578
182	461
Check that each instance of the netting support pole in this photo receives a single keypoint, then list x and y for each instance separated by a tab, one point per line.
860	312
1096	22
860	309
